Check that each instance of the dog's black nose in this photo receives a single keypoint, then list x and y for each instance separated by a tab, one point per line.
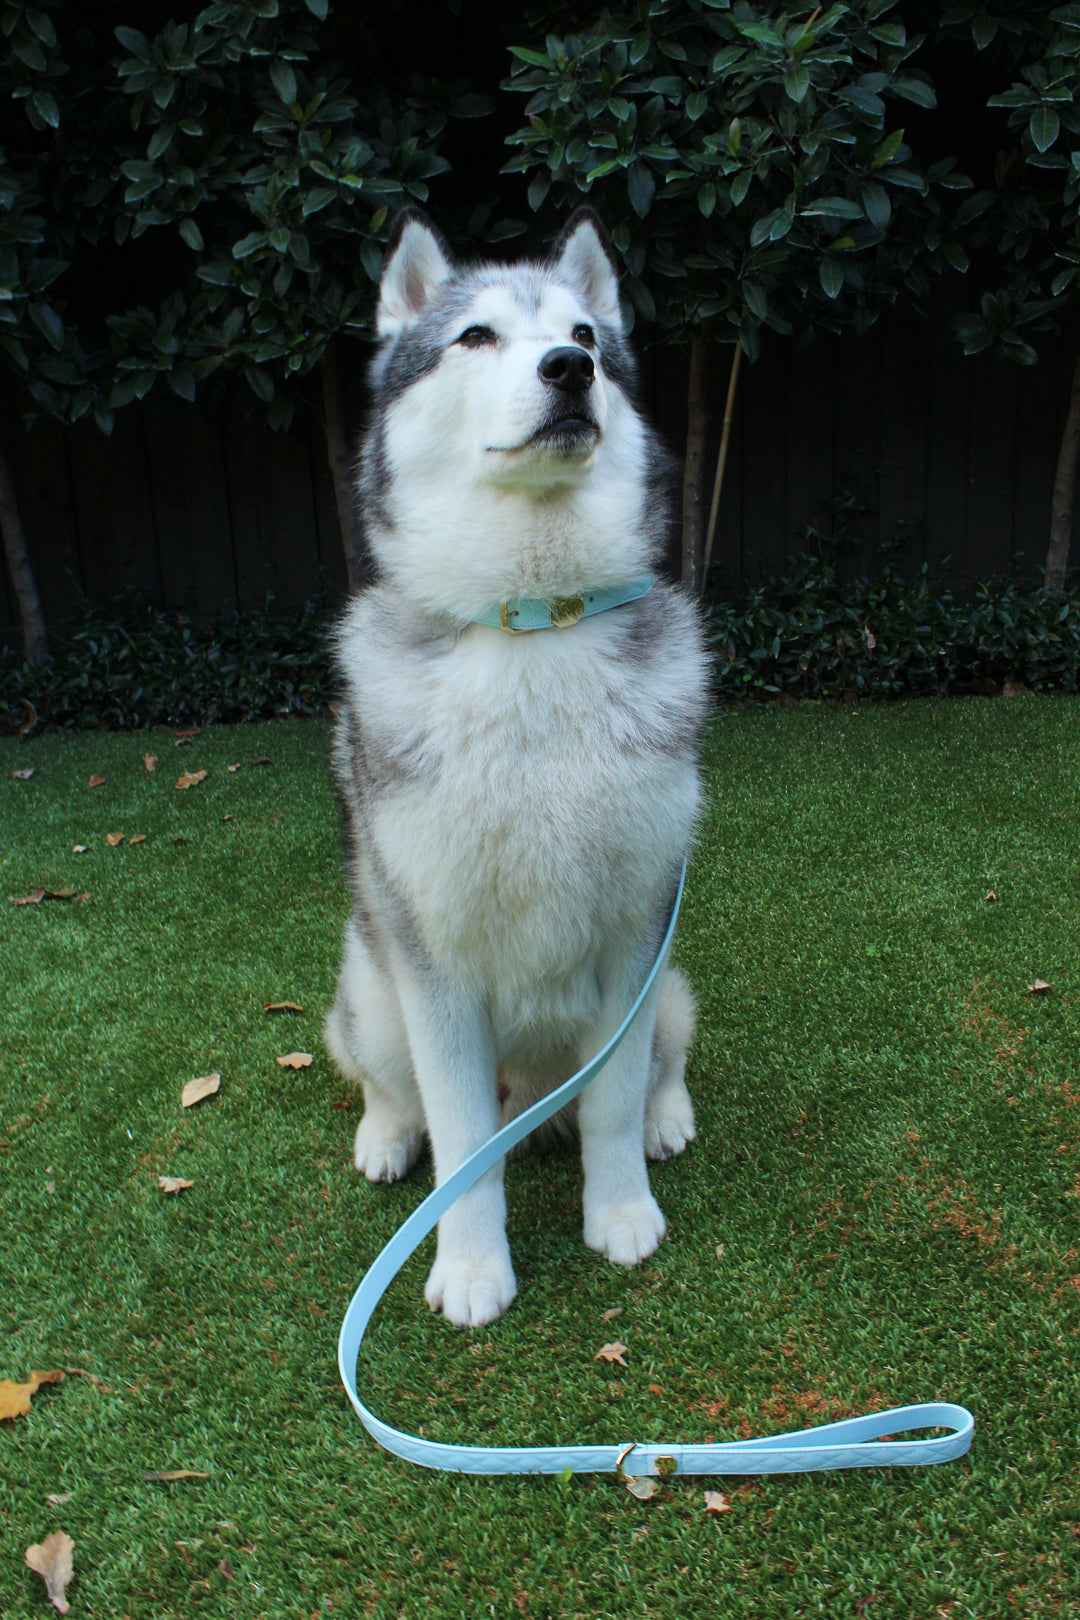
569	369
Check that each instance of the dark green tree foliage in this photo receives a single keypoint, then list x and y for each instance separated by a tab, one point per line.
751	162
1030	214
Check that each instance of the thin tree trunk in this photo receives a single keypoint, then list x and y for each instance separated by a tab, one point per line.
31	618
342	460
1061	509
693	508
721	461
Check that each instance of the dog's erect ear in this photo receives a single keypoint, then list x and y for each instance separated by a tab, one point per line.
418	261
584	257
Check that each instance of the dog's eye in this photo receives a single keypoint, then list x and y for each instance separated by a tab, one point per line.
584	335
476	337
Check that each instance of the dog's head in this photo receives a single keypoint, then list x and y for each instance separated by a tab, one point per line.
505	455
526	355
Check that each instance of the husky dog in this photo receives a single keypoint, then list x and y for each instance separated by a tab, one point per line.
517	806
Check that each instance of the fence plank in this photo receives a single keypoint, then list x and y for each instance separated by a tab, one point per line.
191	509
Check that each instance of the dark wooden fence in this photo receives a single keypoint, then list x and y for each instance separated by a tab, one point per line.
204	510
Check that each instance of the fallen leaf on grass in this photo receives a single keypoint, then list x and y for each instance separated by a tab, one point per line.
716	1502
180	840
346	1103
113	839
31	718
170	1474
1039	988
612	1352
97	781
150	761
233	768
643	1486
295	1060
15	1398
52	1560
190	779
58	1499
23	776
81	1372
185	736
36	896
263	759
139	838
173	1184
991	895
80	849
282	1006
196	1090
609	1316
226	1569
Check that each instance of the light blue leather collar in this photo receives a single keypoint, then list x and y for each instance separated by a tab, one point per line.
523	613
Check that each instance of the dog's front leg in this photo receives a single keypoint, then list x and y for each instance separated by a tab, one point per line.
472	1280
622	1218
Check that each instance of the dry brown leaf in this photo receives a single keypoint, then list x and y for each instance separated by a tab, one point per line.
31	718
282	1006
97	781
52	1560
1039	988
991	895
114	838
23	776
139	838
643	1486
173	1184
233	768
345	1103
170	1474
182	736
263	759
226	1569
80	849
150	761
196	1090
15	1398
34	898
190	779
612	1352
81	1372
609	1316
295	1060
716	1502
59	1498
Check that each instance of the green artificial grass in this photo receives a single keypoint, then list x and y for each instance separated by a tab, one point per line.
887	1161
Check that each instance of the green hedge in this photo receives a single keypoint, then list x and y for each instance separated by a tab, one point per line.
811	633
142	667
806	633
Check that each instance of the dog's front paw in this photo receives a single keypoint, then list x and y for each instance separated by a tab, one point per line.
669	1121
471	1293
385	1150
625	1233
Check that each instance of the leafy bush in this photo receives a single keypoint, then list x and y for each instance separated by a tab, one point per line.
812	632
807	633
143	667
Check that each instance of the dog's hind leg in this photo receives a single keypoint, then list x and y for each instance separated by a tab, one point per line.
366	1037
669	1113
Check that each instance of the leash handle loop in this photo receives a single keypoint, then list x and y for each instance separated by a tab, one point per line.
852	1443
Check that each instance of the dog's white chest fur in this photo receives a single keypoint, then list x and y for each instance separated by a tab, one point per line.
527	813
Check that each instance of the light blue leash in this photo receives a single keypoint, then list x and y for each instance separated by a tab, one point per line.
853	1443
